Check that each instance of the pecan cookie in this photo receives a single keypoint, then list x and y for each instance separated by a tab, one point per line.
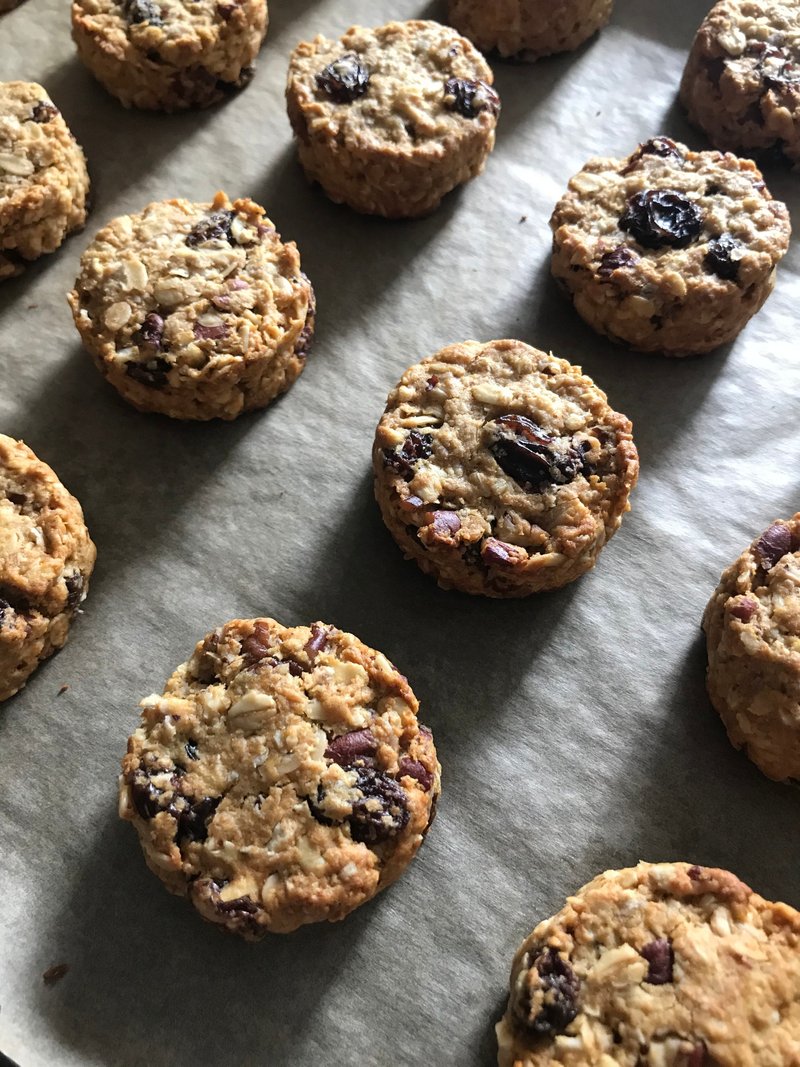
658	965
500	469
46	559
752	626
166	55
43	178
390	120
282	778
197	311
669	250
528	29
742	79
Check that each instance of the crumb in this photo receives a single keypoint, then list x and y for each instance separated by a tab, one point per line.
55	973
523	218
63	689
32	307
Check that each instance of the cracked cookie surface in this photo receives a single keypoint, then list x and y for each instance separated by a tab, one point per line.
282	778
528	29
389	120
752	625
659	965
43	177
741	84
669	250
167	55
46	559
500	469
197	311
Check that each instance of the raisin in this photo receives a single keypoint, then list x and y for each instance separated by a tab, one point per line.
494	553
153	373
151	331
74	584
315	807
662	217
723	256
44	111
446	525
656	146
215	227
144	795
4	607
529	454
773	545
318	640
414	769
210	333
661	959
775	67
347	748
714	69
550	1008
371	822
617	259
744	609
470	98
697	1057
191	749
415	447
193	821
238	906
226	10
256	646
143	11
345	79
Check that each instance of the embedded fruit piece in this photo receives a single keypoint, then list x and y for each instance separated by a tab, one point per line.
662	218
469	98
530	455
345	79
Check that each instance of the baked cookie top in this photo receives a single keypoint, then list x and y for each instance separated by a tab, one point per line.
406	87
283	775
504	451
179	30
659	965
190	287
668	216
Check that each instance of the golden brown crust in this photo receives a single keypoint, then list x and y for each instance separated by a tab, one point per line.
528	29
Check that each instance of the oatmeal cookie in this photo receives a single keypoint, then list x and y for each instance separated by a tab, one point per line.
390	120
282	778
46	559
752	626
658	965
165	55
43	177
500	469
197	311
669	250
528	29
742	79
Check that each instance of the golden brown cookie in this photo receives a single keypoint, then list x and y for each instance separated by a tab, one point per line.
528	29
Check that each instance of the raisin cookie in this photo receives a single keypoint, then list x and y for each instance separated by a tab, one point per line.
752	626
43	177
390	120
500	469
282	778
46	559
658	965
742	79
528	29
165	55
669	250
197	311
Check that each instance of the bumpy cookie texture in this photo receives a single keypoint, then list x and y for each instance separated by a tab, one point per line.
46	559
197	311
528	29
166	55
500	469
390	120
659	965
742	79
282	778
752	626
669	250
43	177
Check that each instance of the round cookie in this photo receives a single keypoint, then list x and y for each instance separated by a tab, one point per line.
752	625
166	55
500	469
282	778
197	311
528	29
46	559
43	177
741	84
669	250
658	965
390	120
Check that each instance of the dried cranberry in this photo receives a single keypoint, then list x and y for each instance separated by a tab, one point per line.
529	455
345	79
431	383
661	959
371	822
470	98
744	609
191	749
256	645
550	1009
773	545
662	217
143	11
74	584
152	373
318	640
44	111
215	227
210	333
617	259
414	769
723	256
348	748
151	331
415	447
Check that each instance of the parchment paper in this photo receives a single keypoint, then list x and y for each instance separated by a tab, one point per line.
573	728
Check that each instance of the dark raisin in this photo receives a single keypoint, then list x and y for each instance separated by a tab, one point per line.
153	373
773	545
662	217
529	454
697	1057
217	332
315	807
256	645
44	111
5	607
550	1001
414	769
74	584
151	331
348	748
191	749
193	821
618	258
226	10
661	960
215	227
695	873
345	79
143	11
382	811
415	447
307	333
663	147
238	906
144	795
318	640
723	256
470	98
446	525
714	69
17	498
